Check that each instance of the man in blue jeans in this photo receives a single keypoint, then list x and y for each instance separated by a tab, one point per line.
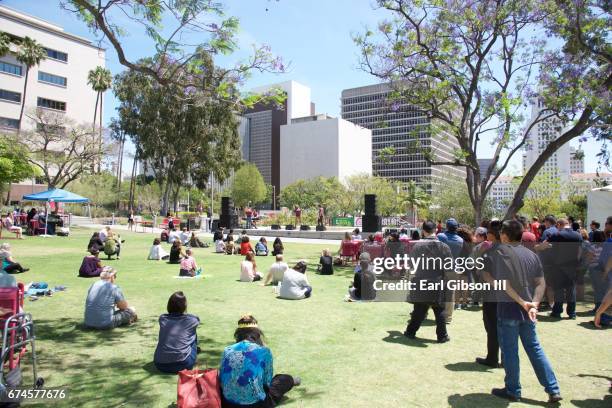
517	312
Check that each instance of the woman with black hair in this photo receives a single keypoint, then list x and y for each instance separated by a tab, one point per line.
177	347
246	373
277	247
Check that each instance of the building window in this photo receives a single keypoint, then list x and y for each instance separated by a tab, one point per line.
10	96
57	55
9	123
52	79
10	68
51	104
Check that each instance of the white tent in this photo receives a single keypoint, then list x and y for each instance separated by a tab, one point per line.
599	204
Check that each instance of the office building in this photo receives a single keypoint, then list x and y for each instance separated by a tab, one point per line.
400	126
320	145
260	127
58	84
558	165
484	165
576	160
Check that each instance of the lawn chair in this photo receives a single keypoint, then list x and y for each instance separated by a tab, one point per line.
348	252
17	333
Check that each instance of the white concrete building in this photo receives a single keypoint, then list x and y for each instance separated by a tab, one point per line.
58	84
558	165
320	145
576	160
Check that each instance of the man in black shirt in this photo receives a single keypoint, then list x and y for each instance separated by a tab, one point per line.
429	248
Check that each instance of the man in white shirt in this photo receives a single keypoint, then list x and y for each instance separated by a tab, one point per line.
184	235
295	285
173	236
276	272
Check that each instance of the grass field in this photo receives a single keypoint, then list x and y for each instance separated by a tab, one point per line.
347	354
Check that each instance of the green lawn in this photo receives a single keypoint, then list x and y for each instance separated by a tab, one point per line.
348	354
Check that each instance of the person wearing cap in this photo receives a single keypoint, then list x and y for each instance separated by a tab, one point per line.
455	243
91	265
429	248
105	306
363	280
246	373
295	285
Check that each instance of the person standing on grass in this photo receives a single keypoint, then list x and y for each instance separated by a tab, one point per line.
455	243
489	304
246	373
130	220
105	306
177	346
429	248
517	314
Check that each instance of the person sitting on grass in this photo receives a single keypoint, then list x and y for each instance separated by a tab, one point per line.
276	272
105	306
229	245
177	346
157	252
9	224
326	263
246	373
189	266
173	235
346	240
363	280
243	234
176	252
219	246
277	247
7	281
95	242
112	247
295	285
248	269
91	265
245	246
7	262
195	242
185	236
261	248
356	235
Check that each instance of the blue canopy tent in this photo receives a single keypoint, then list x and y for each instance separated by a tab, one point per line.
56	195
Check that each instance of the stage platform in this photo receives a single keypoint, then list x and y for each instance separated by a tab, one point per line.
334	234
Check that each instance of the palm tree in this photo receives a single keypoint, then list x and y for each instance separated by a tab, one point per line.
414	197
30	54
5	44
100	80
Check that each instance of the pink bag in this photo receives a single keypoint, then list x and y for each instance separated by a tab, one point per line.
199	389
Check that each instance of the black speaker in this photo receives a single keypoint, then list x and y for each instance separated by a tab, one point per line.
304	227
228	221
226	205
275	227
321	228
370	223
289	227
370	204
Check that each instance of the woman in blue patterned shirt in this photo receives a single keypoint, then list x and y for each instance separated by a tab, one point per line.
246	372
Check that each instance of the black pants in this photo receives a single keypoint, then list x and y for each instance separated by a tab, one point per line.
281	384
420	312
13	267
489	317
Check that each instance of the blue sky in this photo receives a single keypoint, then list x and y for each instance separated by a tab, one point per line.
313	36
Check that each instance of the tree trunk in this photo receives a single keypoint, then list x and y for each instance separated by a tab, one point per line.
100	139
165	198
95	111
120	169
580	127
23	99
133	184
